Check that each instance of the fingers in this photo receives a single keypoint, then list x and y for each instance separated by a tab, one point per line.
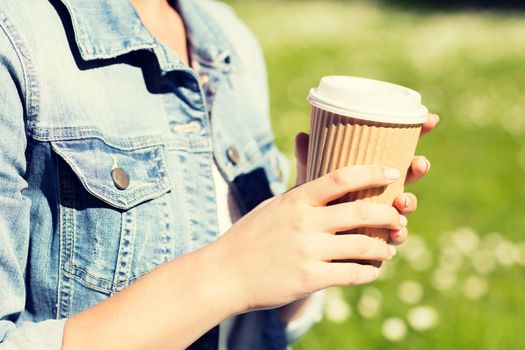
398	236
420	165
342	181
419	168
301	155
350	215
346	274
431	123
354	246
406	203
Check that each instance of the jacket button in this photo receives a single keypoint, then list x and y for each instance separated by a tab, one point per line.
233	155
120	178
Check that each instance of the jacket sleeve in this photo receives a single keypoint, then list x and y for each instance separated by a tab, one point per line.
15	206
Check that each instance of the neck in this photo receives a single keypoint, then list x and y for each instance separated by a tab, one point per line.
164	23
149	6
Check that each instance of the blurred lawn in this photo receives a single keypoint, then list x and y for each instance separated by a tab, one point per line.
468	265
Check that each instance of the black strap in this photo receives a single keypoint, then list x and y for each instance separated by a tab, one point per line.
251	189
209	341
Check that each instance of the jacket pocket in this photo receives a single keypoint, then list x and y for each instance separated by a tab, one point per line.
99	211
93	162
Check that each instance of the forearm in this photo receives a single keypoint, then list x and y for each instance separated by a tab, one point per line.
170	307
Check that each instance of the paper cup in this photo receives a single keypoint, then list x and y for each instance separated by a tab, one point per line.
357	121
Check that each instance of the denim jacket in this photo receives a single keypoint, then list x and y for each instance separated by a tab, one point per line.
107	143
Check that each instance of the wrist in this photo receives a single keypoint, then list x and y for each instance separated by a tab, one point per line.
170	306
224	279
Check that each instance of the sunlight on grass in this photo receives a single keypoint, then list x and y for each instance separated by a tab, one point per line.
457	282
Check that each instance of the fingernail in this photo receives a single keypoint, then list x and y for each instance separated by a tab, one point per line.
396	236
392	250
406	201
428	166
437	118
403	220
392	173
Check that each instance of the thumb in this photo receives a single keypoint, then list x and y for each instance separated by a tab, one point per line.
301	156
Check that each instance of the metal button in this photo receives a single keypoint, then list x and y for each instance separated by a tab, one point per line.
224	57
120	178
233	155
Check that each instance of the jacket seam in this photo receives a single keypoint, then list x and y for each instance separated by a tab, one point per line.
29	74
67	228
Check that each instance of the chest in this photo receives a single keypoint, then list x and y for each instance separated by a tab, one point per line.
161	131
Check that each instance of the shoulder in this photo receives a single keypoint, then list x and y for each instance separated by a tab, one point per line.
232	27
13	51
23	26
9	35
224	15
26	15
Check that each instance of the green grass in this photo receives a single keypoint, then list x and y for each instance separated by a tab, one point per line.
469	67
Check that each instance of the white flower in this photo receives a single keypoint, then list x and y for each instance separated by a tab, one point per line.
491	239
521	249
507	253
410	292
443	280
336	308
475	287
370	302
394	329
483	261
415	251
465	240
450	259
424	262
422	318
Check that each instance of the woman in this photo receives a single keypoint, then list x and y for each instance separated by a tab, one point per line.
132	135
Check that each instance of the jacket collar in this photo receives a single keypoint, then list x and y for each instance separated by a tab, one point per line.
106	29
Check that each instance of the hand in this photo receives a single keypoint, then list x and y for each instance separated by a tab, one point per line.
406	203
281	251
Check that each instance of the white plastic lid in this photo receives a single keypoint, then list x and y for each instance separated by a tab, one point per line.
369	99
